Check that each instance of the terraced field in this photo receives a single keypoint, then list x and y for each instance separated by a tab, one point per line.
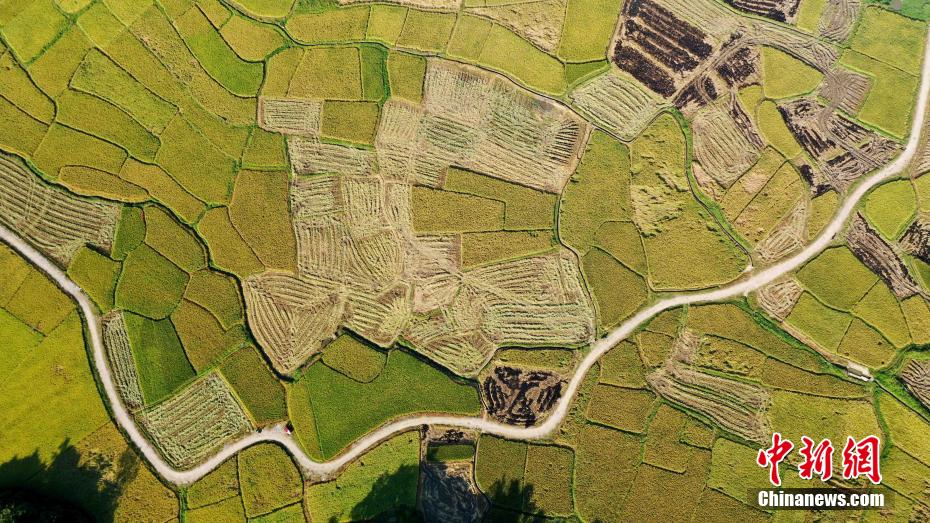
458	260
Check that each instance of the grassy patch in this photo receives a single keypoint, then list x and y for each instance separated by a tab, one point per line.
256	386
268	479
819	277
617	290
96	274
484	247
195	162
824	325
625	409
150	284
159	356
891	38
173	241
33	28
354	122
337	25
383	481
454	452
406	73
222	483
784	76
499	466
505	51
890	99
227	249
549	472
346	409
214	54
354	358
891	206
259	211
598	192
328	72
445	211
589	24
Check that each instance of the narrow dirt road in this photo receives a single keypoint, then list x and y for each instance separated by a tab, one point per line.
748	283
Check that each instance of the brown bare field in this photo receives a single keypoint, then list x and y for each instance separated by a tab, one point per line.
880	257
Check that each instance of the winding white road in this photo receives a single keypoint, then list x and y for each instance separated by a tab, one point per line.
750	282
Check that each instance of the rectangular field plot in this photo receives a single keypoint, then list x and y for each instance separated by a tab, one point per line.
199	420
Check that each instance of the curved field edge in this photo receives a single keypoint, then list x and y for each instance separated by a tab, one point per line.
276	434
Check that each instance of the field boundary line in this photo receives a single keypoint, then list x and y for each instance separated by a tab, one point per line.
276	434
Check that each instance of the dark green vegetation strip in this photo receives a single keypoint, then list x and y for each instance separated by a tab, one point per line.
346	409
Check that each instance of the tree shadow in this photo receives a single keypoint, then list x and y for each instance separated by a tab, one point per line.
68	488
391	498
403	496
513	501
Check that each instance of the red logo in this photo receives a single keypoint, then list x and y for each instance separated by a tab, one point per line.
861	459
774	455
816	460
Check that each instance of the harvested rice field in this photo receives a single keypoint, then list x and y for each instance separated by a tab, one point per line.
305	221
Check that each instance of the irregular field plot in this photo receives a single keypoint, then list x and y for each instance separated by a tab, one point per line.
268	479
196	422
346	409
385	479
